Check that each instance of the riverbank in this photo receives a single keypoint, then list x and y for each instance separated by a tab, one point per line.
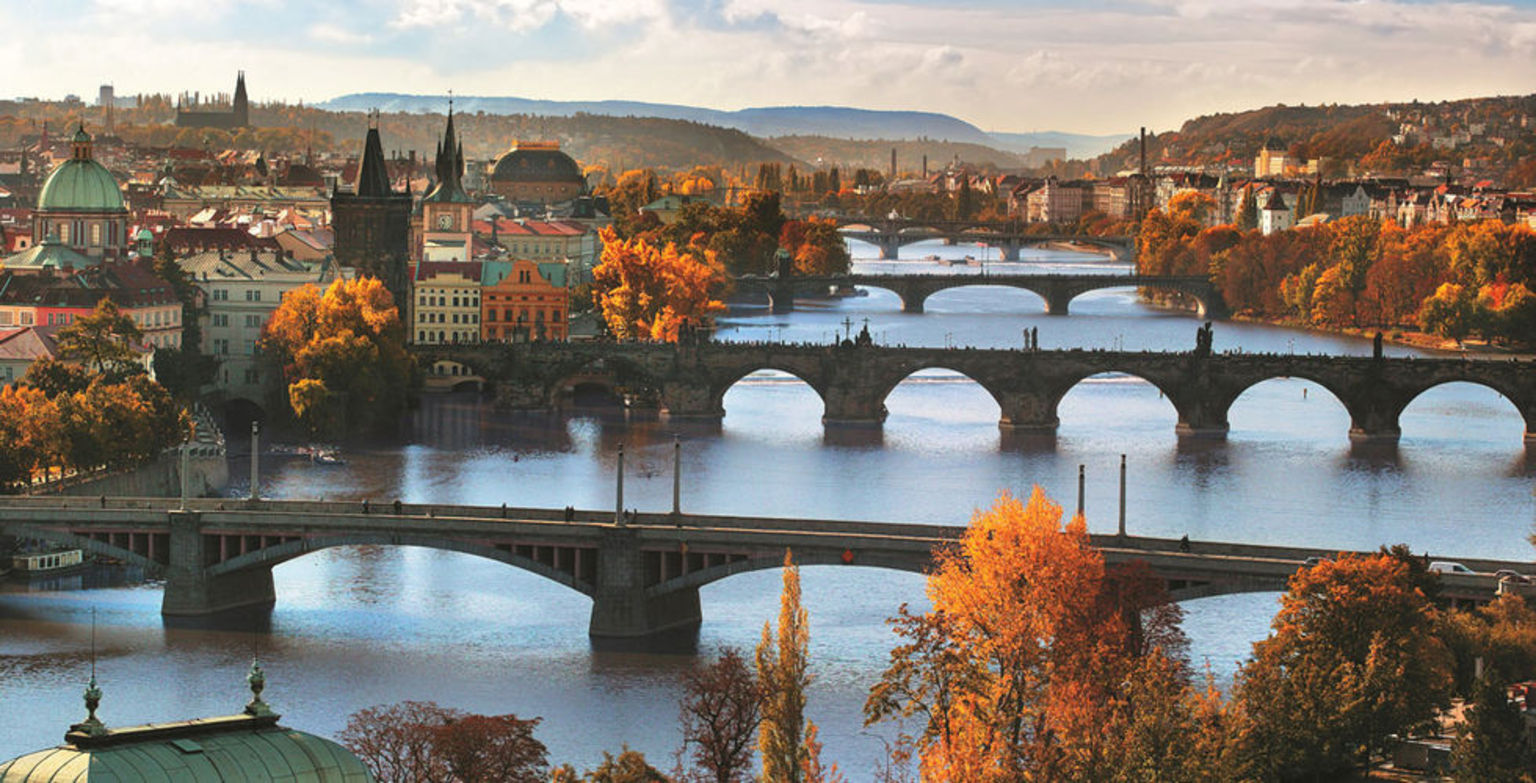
1403	337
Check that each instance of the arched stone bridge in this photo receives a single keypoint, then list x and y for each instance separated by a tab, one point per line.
890	234
643	577
1058	291
691	380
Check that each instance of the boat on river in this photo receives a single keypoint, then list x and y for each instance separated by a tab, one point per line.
49	563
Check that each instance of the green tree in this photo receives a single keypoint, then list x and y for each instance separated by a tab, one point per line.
1490	742
103	341
782	677
1451	311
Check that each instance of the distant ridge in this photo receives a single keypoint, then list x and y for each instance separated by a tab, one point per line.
1079	146
834	121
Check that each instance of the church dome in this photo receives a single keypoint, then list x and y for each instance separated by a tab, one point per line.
80	184
536	162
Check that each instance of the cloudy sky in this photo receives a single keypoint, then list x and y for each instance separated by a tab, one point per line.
1014	65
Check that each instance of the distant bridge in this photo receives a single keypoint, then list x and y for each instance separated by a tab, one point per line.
643	577
1058	291
691	380
890	234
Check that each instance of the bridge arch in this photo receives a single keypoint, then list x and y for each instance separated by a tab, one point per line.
1357	417
771	560
889	385
1205	304
269	557
1526	408
617	373
723	385
1187	411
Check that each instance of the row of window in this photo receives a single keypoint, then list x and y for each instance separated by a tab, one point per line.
221	347
442	301
522	315
252	320
251	294
152	319
74	232
423	336
441	318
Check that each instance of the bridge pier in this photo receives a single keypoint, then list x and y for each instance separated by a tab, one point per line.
190	591
622	607
1028	413
1201	421
847	408
1010	250
890	248
690	401
1056	302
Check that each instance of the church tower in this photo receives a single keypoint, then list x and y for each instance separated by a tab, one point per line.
447	211
242	108
372	223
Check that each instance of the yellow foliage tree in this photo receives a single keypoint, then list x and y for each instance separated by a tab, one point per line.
647	293
343	343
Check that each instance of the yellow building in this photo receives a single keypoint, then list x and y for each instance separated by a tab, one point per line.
445	302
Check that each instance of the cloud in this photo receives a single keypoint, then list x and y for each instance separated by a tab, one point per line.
1003	64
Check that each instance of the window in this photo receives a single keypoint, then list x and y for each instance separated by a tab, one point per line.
221	347
253	294
554	315
421	336
250	348
5	318
26	318
95	233
220	319
220	294
252	375
253	322
455	317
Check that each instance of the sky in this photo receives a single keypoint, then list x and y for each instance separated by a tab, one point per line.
1004	65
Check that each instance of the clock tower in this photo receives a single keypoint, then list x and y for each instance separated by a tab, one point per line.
447	211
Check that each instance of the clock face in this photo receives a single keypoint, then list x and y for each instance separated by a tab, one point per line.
445	221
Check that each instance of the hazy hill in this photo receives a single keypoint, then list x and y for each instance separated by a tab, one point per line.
1079	146
876	153
767	121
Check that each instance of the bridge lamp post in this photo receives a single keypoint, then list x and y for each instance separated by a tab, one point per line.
618	503
255	459
1122	496
677	477
1081	478
186	479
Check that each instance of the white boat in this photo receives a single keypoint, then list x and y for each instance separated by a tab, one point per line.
326	458
37	565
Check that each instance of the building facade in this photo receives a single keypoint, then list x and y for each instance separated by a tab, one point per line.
523	300
240	291
445	302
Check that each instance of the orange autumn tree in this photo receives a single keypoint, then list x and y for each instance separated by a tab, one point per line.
341	353
1031	651
647	292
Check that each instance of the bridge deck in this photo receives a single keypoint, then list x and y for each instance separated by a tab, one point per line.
871	543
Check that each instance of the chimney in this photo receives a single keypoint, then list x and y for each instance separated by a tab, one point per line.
893	164
925	167
1143	169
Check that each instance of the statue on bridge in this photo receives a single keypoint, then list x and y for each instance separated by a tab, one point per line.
1203	340
1376	346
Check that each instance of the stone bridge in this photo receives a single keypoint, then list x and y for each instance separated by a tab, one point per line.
1058	291
691	380
889	234
643	577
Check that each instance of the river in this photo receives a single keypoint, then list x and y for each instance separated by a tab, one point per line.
360	626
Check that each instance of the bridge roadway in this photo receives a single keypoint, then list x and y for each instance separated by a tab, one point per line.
690	380
643	577
890	234
1058	291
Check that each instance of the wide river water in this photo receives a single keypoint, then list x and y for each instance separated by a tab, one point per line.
357	626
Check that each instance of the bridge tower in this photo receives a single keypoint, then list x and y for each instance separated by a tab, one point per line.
781	299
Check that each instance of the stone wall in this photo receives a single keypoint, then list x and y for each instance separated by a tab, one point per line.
208	470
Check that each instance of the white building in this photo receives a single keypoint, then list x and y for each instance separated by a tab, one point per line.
240	291
1275	215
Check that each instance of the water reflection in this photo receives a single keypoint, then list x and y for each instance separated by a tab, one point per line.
356	626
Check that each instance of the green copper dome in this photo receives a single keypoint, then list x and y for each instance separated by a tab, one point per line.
80	184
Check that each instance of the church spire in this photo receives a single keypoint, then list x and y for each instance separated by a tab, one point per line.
449	166
372	175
